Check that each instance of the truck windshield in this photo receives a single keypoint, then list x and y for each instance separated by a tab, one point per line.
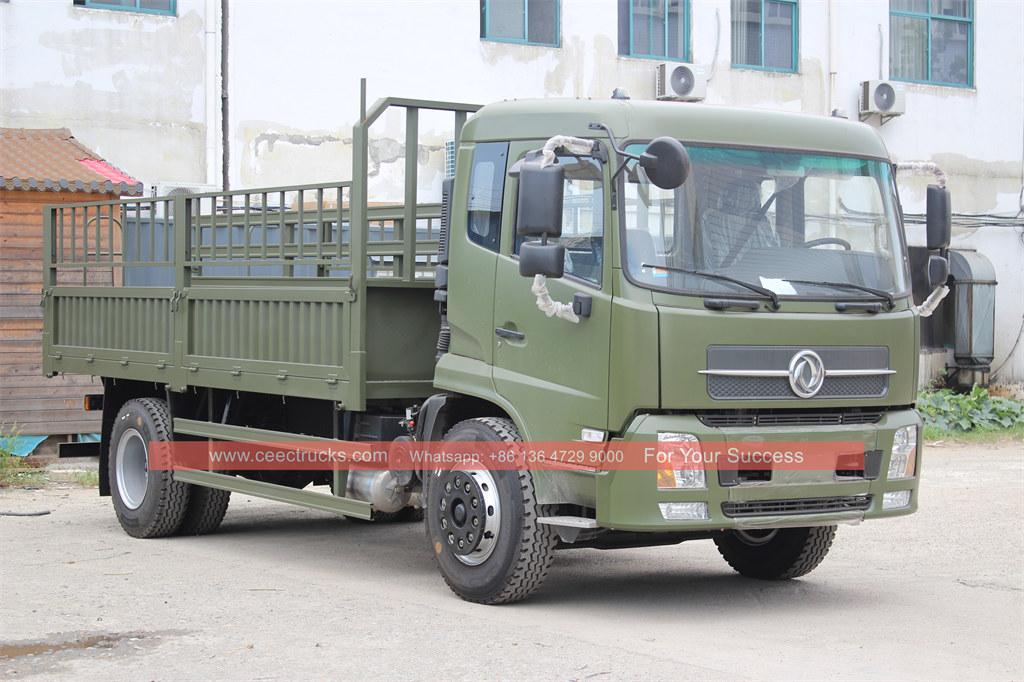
795	223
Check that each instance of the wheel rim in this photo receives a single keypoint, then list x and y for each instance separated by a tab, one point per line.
757	537
132	468
470	514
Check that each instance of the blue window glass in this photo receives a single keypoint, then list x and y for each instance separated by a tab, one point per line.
932	41
143	6
530	22
655	29
765	34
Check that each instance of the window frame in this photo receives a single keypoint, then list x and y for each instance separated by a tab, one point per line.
99	4
484	26
796	40
468	232
687	57
928	17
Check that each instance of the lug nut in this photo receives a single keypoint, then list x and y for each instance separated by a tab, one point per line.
447	487
474	502
461	544
476	522
451	539
444	523
444	505
469	537
468	488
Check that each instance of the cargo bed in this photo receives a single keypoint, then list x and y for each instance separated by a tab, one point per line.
303	291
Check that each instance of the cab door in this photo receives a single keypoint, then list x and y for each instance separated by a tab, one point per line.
553	371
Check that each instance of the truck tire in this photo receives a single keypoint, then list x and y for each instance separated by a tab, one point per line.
149	503
482	525
775	554
206	509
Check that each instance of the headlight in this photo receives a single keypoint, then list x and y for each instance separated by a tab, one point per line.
686	450
904	453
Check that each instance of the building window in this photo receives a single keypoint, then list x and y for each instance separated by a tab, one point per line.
144	6
486	190
655	29
932	41
765	34
530	22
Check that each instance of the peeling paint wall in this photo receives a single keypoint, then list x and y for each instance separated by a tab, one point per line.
296	69
129	86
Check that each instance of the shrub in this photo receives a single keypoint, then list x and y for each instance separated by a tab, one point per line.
974	411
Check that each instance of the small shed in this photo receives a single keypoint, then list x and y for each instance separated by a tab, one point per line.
39	167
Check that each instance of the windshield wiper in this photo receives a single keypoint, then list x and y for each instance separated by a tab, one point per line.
767	293
890	302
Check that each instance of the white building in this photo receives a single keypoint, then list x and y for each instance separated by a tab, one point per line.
142	84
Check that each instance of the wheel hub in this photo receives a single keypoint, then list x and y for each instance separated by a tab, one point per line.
469	514
132	468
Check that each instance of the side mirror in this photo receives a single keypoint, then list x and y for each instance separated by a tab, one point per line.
939	217
539	212
666	162
537	258
938	271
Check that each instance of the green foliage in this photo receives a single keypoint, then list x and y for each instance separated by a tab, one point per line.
945	410
8	437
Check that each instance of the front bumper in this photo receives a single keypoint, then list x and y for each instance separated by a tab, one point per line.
629	500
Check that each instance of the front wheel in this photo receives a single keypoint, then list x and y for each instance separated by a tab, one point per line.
483	525
775	553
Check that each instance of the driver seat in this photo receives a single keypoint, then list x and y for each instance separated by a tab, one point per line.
734	224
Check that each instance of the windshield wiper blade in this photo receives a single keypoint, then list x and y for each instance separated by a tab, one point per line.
767	293
890	302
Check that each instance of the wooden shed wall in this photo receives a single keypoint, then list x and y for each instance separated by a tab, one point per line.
32	403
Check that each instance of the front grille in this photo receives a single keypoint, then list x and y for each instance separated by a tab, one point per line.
809	505
775	388
790	418
777	358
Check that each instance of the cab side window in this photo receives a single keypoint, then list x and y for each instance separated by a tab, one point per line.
486	190
582	218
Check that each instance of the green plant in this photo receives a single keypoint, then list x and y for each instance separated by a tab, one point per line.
945	410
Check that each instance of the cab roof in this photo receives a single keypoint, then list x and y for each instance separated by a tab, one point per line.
690	122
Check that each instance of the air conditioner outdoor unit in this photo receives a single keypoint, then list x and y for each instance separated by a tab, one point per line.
882	98
680	82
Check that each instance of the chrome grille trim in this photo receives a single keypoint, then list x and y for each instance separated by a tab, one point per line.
763	372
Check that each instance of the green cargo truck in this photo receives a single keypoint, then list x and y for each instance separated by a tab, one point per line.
706	275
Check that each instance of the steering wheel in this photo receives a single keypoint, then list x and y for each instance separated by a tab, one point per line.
828	240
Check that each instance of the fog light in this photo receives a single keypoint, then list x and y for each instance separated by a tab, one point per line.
896	499
904	453
687	452
684	511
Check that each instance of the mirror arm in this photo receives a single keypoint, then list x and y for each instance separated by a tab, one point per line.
615	147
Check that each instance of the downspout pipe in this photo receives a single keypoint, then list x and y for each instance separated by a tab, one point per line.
225	159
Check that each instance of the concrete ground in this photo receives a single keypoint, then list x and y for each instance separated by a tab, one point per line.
289	593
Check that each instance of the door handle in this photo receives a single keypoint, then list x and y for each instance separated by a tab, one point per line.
510	334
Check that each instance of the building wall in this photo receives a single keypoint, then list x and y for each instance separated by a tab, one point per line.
132	87
143	91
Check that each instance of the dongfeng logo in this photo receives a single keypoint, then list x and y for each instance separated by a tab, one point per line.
806	373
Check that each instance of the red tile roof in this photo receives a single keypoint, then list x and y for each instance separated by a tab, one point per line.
52	159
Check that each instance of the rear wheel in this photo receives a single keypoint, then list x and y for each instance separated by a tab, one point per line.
775	553
206	509
148	502
482	525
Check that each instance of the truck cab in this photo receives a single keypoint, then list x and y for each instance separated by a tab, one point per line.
766	299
